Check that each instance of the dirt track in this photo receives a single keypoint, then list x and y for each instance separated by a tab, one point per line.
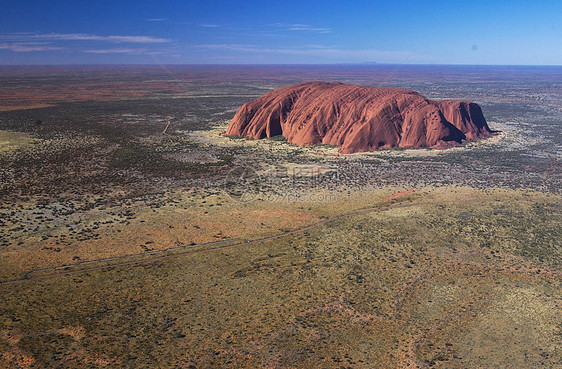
162	254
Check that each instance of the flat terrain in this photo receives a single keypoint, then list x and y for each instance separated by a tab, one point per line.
124	243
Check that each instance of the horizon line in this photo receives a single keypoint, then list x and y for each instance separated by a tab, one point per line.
365	64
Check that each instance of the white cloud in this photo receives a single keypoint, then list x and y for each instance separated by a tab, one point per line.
206	25
156	20
110	51
19	48
89	37
122	51
83	37
238	47
308	28
301	27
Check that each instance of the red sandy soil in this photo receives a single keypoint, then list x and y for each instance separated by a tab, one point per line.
399	194
358	118
16	98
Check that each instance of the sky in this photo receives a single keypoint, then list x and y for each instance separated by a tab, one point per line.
496	32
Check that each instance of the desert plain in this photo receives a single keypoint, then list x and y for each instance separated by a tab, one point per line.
134	233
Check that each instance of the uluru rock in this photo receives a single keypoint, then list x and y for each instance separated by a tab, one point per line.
358	118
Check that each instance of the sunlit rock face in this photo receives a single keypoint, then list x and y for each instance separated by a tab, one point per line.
358	118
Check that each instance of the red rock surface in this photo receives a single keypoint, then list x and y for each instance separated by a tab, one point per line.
358	118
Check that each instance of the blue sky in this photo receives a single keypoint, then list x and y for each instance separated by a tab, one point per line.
281	32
